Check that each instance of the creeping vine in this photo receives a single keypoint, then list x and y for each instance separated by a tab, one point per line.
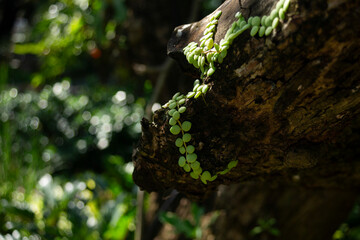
204	57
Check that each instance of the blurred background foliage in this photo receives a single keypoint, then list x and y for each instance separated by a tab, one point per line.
72	95
69	117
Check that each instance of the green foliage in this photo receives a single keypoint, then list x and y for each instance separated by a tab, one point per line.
66	138
350	230
190	228
66	31
207	53
49	131
188	160
265	226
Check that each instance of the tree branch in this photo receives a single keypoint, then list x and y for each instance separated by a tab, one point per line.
286	106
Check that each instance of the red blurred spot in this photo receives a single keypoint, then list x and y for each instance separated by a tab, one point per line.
95	53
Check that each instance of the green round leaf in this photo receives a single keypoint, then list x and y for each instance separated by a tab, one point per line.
275	22
180	97
182	150
263	20
268	31
195	165
186	126
220	59
268	21
186	137
198	93
273	14
176	95
199	89
198	171
282	14
215	176
215	57
191	157
182	161
254	30
172	105
182	109
256	21
175	129
242	24
196	87
194	175
204	181
179	142
217	15
181	102
190	94
190	149
209	43
286	5
172	121
171	112
262	31
206	175
176	115
187	168
205	89
209	56
232	164
198	51
217	47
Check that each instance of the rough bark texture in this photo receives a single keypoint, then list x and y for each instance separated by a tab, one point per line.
299	213
286	107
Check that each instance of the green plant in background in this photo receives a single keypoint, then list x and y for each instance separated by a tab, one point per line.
265	226
90	207
67	33
43	134
350	230
190	228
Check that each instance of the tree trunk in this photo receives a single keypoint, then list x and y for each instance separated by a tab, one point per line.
285	106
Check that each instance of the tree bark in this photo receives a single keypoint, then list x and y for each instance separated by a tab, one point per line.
285	106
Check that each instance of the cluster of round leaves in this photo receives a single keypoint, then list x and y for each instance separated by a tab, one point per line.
266	24
188	157
207	53
261	26
204	56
